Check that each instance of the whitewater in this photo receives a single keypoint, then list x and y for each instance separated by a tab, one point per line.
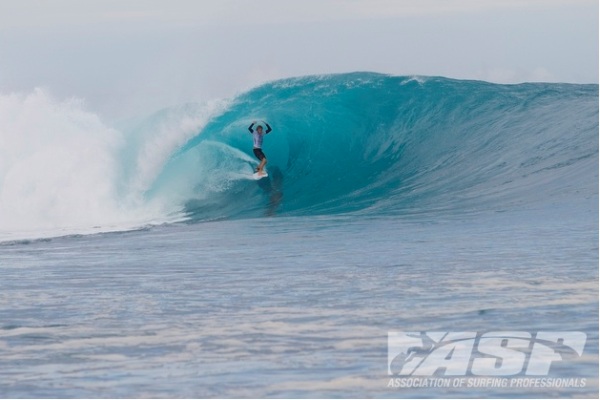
141	259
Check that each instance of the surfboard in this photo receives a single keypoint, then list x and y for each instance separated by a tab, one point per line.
256	176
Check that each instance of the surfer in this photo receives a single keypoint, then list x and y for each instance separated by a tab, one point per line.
258	139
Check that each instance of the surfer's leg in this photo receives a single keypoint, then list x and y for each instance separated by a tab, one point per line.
263	159
262	164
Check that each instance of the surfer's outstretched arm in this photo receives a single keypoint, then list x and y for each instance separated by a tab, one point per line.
250	127
268	128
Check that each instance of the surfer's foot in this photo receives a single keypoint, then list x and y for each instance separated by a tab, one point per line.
256	169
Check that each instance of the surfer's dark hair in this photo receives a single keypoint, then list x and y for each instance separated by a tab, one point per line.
259	126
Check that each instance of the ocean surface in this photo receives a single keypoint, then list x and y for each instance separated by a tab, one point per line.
142	259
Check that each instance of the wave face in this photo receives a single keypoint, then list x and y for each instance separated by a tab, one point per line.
372	143
362	142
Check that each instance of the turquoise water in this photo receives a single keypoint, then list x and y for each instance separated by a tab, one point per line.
393	204
393	145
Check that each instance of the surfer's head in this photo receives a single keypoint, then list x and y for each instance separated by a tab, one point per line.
259	128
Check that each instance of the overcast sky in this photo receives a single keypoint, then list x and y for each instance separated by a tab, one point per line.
129	57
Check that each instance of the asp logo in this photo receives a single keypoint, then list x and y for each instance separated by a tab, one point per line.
501	353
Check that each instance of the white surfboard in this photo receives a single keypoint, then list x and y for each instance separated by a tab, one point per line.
258	176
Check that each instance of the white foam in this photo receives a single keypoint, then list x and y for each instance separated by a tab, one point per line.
61	167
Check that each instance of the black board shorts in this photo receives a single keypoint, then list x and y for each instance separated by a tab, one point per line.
259	154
